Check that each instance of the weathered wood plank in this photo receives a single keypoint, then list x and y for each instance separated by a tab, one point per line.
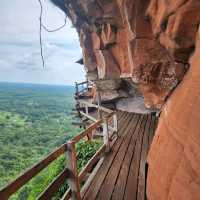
122	175
132	181
124	120
109	182
95	106
14	186
88	116
73	182
94	187
141	179
98	180
92	175
120	115
120	186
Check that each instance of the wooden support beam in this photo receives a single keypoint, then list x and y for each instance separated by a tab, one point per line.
106	134
95	106
81	83
73	182
115	124
76	87
92	175
88	116
86	109
99	103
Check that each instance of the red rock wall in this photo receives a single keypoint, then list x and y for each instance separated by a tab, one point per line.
140	40
148	45
174	157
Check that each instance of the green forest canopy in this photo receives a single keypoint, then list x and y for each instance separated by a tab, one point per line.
35	119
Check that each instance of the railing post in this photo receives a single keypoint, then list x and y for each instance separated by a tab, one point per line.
106	134
115	123
99	103
73	182
87	85
76	87
86	109
89	136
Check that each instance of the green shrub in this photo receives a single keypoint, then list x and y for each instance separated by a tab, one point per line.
85	151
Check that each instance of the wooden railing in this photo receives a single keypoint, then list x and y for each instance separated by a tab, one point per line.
70	173
82	87
81	92
67	173
112	124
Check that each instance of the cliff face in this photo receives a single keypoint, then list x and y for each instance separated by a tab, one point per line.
174	156
137	51
145	44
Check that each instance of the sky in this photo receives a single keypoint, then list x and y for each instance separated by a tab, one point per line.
20	59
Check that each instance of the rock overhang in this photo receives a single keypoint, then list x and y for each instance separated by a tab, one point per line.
135	41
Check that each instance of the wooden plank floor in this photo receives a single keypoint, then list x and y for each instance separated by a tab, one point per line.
122	174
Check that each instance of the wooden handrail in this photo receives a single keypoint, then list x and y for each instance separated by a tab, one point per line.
88	116
95	106
84	87
14	186
74	183
70	173
88	130
82	83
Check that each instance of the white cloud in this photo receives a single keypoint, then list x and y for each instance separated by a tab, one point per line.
19	45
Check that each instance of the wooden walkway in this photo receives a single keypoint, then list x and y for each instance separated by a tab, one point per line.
122	174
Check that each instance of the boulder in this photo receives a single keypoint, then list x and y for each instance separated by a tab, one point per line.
108	84
109	95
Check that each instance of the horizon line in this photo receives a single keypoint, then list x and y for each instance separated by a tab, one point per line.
49	84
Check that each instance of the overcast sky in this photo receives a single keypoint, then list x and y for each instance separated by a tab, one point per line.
20	59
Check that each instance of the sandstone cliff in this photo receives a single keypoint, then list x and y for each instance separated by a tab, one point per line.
137	52
174	157
145	44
